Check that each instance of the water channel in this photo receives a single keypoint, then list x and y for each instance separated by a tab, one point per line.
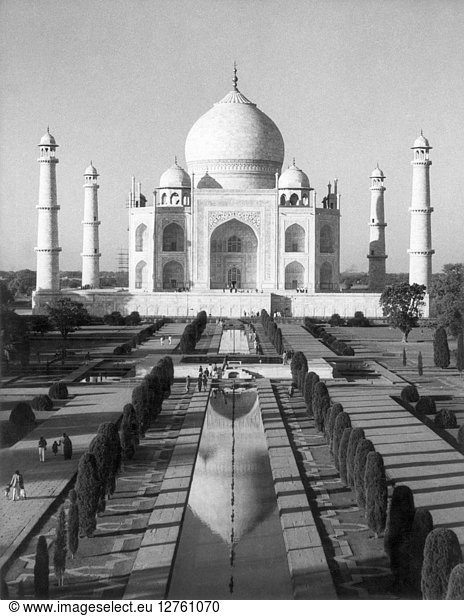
231	544
234	341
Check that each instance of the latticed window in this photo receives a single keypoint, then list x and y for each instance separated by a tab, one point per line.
234	244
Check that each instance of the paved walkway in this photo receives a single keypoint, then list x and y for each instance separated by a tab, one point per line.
80	418
298	338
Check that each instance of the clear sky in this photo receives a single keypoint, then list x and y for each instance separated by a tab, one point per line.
348	82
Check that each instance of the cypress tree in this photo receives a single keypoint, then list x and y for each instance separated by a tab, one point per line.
312	379
460	438
422	525
307	393
365	446
441	354
375	484
140	402
334	411
5	593
460	353
356	435
59	555
320	404
456	583
420	365
278	341
400	519
41	570
156	391
298	364
342	453
110	432
73	524
342	421
442	553
404	357
88	490
100	447
129	432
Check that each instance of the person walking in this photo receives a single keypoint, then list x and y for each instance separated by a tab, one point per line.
55	448
200	382
22	491
205	380
162	340
42	448
15	486
187	383
169	340
67	446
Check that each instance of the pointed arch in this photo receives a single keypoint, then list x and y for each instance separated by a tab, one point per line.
173	275
294	275
294	199
141	275
173	238
140	237
283	199
326	240
295	238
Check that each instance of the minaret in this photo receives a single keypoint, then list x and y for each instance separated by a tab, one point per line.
420	247
377	224
90	253
48	267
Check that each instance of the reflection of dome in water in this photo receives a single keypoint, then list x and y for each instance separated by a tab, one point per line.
243	403
254	495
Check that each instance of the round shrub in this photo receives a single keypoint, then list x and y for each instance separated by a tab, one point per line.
422	525
42	403
342	421
426	405
22	415
375	484
409	394
58	391
342	453
41	570
118	350
334	411
356	435
445	419
442	553
456	583
400	518
365	446
320	404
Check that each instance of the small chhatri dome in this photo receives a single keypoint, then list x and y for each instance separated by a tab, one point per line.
175	177
90	170
377	173
293	177
421	142
48	139
208	182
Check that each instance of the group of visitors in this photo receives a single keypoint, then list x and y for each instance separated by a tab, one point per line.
16	485
162	340
64	441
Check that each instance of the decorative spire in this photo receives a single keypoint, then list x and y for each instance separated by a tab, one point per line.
293	161
422	134
175	160
235	79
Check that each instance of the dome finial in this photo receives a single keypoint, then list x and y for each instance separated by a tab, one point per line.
235	79
293	161
422	134
175	160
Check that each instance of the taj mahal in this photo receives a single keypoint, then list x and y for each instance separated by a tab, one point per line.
233	232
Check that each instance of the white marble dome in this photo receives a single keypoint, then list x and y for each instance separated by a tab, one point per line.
293	177
377	173
240	145
90	170
175	177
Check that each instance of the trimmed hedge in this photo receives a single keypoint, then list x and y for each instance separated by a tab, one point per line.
375	484
426	405
58	391
409	393
442	553
42	403
342	421
342	453
41	570
445	419
356	435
